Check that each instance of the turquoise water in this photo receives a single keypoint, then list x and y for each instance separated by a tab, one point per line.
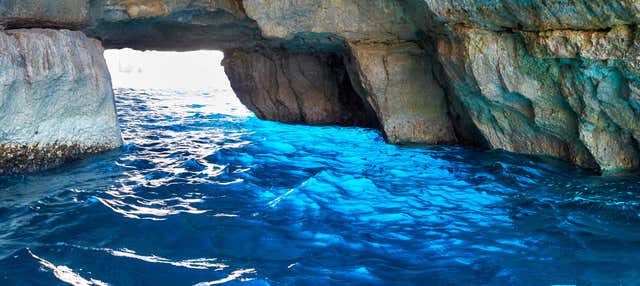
204	193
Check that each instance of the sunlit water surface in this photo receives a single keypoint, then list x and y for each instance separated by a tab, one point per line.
204	193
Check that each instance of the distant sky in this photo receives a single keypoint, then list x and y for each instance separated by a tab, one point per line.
167	70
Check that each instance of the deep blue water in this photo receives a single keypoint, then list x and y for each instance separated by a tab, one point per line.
205	193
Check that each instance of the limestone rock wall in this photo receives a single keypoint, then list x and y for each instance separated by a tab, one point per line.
172	24
397	79
297	87
546	77
40	13
553	77
351	19
56	101
387	67
537	15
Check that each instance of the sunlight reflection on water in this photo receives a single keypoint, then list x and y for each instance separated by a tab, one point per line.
204	193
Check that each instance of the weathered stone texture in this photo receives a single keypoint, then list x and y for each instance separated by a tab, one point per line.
142	24
55	91
539	95
555	77
537	15
43	13
137	9
296	87
173	25
349	19
397	80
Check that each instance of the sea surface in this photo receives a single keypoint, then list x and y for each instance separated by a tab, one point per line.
204	193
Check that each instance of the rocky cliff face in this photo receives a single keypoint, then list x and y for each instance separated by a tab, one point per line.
56	101
397	80
172	25
536	15
529	93
297	87
555	77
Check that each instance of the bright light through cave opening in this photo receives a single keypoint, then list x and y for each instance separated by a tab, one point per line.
194	79
195	70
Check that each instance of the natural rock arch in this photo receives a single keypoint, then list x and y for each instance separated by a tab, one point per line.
539	77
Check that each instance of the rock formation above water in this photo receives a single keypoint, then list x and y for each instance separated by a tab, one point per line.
56	101
297	88
558	77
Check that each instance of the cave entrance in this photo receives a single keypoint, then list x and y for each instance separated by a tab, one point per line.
193	70
285	86
193	79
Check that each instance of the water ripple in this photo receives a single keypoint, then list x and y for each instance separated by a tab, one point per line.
205	193
66	274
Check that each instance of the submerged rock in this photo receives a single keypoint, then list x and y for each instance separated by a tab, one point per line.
56	101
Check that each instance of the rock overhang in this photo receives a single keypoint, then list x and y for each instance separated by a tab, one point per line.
484	96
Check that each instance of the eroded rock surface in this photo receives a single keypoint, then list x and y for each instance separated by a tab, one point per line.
537	15
297	87
41	13
397	80
556	77
173	24
572	95
56	101
351	19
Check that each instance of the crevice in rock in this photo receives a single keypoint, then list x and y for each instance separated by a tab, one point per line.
364	114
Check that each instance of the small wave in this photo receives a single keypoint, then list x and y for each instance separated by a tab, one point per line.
66	274
235	275
148	209
295	205
197	263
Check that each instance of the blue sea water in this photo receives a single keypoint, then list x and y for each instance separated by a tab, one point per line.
204	193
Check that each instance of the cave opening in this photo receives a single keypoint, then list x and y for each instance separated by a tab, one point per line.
193	79
190	70
289	87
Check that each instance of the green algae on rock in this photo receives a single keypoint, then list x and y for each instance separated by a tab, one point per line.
36	157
